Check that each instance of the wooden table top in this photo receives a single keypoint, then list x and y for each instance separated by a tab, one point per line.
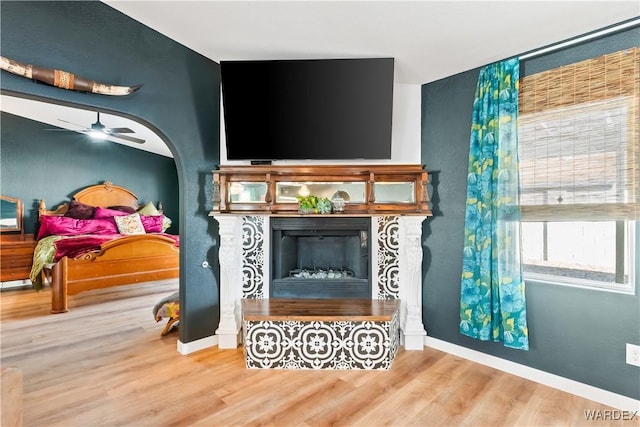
319	309
8	239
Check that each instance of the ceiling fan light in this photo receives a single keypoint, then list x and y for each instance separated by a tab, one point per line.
96	134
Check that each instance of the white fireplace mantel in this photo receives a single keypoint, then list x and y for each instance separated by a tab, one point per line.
396	269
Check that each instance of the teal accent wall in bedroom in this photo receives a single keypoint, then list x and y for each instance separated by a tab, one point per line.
37	164
180	101
575	333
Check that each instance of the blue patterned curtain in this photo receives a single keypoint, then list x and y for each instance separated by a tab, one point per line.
492	297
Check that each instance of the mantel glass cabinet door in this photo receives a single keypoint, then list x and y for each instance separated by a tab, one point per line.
351	192
247	192
395	192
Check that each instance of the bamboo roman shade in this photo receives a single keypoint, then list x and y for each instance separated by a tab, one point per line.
579	140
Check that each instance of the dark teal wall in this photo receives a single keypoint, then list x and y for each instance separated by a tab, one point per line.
36	164
575	333
180	100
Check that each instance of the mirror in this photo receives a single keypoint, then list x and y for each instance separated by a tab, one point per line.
395	192
10	214
287	191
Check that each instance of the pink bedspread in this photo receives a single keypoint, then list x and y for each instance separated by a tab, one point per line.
74	246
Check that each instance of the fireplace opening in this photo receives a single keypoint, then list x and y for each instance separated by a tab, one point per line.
319	257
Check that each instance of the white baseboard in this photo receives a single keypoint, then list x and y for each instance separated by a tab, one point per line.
586	391
193	346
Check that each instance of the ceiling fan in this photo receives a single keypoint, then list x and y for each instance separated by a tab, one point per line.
100	131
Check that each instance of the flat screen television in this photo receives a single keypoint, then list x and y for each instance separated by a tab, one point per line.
310	109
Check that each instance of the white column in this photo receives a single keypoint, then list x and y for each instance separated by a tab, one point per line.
230	256
413	330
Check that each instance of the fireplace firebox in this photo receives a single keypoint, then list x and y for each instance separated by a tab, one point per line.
320	257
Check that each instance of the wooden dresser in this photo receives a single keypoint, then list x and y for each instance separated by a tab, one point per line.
16	256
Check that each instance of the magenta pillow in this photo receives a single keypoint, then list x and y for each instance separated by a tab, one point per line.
152	223
107	213
79	210
65	226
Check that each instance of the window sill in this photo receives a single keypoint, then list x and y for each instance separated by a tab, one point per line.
625	289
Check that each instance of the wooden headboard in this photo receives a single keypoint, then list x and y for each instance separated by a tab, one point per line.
102	195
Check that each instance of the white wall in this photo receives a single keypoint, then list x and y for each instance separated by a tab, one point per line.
405	133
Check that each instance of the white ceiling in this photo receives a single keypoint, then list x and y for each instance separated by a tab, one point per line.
429	40
50	115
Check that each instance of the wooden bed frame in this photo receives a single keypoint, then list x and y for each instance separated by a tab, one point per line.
125	261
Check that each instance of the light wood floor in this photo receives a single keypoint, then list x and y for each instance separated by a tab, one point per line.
105	364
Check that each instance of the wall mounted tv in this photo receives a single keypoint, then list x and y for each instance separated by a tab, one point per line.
320	109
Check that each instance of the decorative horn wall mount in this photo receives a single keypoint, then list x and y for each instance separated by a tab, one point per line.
63	79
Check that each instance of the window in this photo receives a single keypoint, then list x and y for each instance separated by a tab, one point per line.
579	171
583	253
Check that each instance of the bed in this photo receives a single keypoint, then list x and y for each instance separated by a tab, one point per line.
108	219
